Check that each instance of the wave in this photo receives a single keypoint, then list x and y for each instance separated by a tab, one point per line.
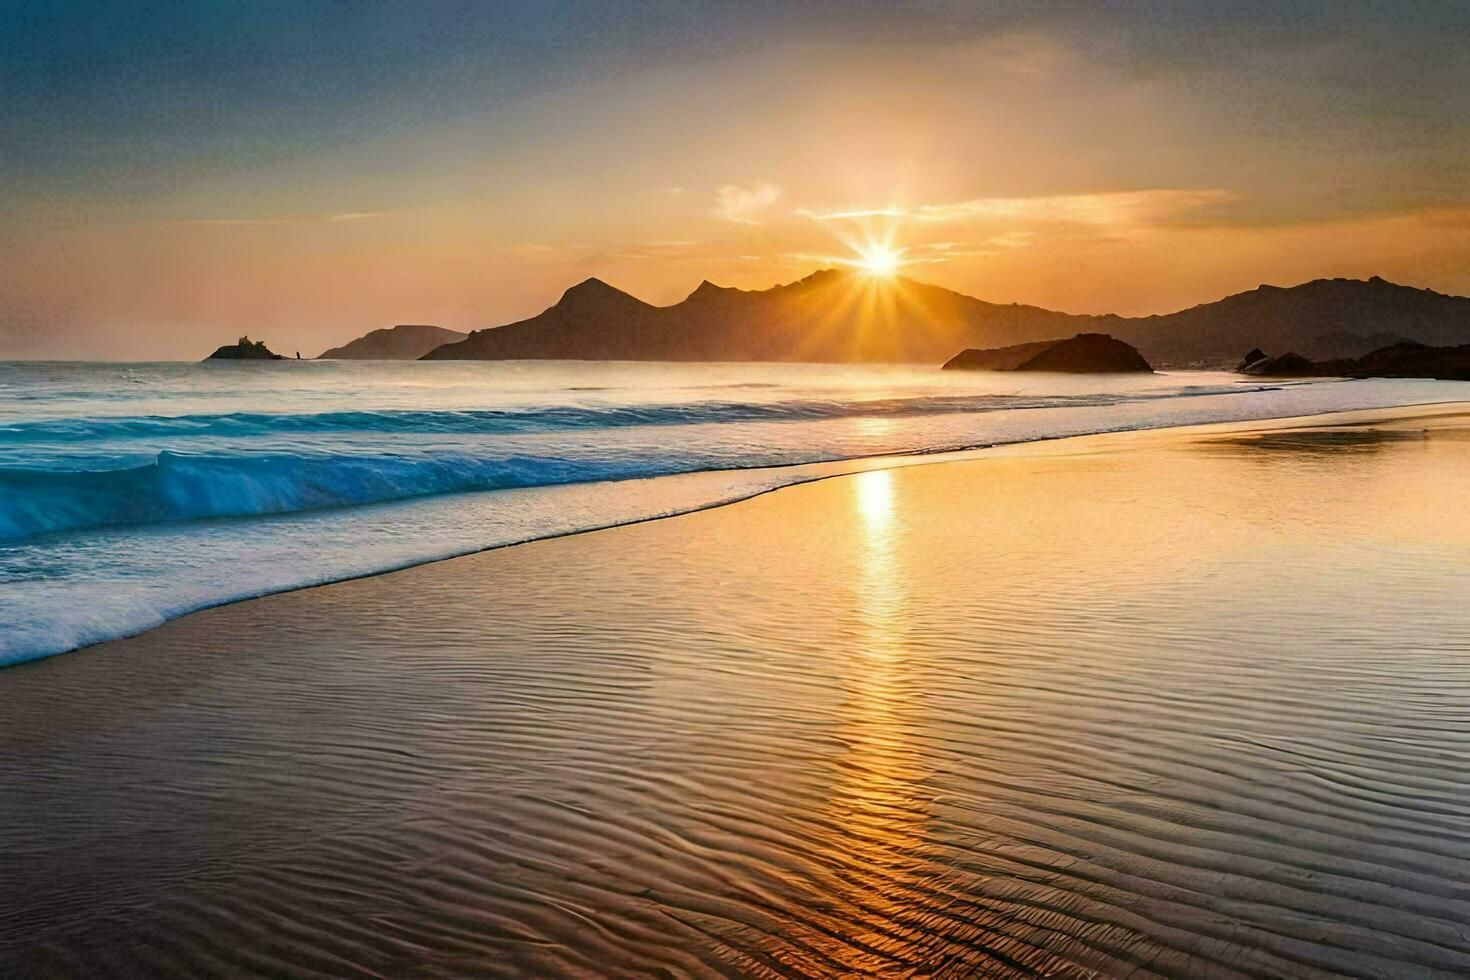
239	468
551	418
150	560
179	486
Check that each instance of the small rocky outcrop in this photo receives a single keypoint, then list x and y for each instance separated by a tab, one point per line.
1256	354
245	349
1290	364
1086	353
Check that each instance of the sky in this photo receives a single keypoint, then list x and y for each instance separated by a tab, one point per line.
176	175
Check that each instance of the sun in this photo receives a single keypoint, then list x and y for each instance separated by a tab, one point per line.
878	260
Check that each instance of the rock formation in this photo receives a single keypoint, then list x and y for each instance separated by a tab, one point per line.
1402	360
245	349
1290	363
1086	353
1255	354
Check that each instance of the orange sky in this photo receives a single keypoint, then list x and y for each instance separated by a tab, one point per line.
1033	164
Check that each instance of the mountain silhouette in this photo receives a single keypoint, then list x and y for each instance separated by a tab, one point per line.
405	342
1311	318
840	316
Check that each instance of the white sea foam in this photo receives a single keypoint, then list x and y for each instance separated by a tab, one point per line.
123	506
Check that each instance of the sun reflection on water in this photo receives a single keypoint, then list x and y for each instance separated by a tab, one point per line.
877	801
875	505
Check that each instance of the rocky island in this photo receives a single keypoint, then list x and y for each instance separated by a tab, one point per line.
245	349
1086	353
1406	359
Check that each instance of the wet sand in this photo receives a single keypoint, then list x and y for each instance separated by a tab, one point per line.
1193	702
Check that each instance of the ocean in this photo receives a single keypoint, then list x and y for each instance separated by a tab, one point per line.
1148	705
131	494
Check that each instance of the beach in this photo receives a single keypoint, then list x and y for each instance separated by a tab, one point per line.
1183	702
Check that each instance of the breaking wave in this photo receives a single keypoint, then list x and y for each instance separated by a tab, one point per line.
238	482
558	418
124	505
183	487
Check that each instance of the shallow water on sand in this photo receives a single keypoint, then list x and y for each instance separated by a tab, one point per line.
1141	705
131	494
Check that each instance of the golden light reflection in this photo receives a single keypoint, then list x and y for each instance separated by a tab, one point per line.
877	800
873	432
875	504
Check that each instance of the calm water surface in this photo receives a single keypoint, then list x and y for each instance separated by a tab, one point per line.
1200	707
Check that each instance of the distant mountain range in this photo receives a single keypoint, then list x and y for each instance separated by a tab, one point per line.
405	342
840	316
1321	319
828	316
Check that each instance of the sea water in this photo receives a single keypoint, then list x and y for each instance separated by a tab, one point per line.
1135	706
131	494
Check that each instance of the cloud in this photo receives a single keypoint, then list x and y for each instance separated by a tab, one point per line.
1114	208
534	247
852	215
742	204
991	226
1015	239
330	219
666	250
1110	208
944	251
233	222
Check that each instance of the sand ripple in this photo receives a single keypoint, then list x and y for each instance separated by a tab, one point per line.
1185	711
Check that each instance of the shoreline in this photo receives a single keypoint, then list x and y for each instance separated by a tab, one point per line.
819	471
1084	706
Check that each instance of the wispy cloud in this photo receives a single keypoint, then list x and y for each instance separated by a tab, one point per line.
1109	208
1015	239
233	222
742	205
1118	207
661	250
944	251
851	215
328	219
534	247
